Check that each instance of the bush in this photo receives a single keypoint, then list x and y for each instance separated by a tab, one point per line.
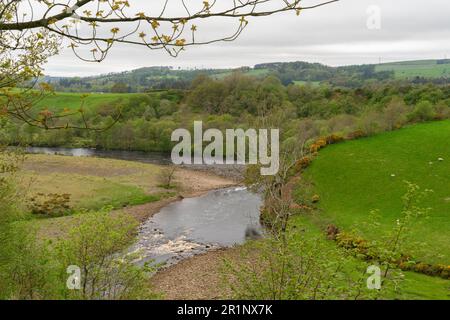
352	242
442	111
356	135
25	264
315	198
28	270
334	138
95	246
423	111
332	232
437	270
166	177
51	204
302	164
300	268
317	145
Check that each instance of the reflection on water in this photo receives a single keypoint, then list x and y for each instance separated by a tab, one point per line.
226	170
194	225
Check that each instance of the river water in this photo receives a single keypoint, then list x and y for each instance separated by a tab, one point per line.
229	171
195	225
138	156
189	226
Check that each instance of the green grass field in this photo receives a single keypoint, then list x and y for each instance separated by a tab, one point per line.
73	101
414	286
412	69
92	182
358	176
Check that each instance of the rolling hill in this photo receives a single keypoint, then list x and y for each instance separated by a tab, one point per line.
151	78
358	176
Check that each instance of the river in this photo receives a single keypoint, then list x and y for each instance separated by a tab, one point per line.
189	226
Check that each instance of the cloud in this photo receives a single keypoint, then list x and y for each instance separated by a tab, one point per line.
336	34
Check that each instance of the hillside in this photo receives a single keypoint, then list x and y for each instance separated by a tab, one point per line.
419	68
359	176
151	78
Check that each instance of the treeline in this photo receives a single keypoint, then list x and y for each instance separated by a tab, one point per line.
139	80
144	79
349	76
147	120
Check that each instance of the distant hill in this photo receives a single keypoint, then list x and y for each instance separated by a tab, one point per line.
163	77
418	68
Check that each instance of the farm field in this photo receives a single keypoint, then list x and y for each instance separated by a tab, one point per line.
412	69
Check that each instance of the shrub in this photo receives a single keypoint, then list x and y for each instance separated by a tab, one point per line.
423	111
317	145
442	111
315	198
96	246
437	270
302	164
299	268
394	115
332	232
166	177
25	264
356	135
51	204
28	270
352	242
334	138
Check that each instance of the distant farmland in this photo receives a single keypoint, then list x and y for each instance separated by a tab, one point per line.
422	68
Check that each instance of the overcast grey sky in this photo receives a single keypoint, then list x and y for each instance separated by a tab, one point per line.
336	34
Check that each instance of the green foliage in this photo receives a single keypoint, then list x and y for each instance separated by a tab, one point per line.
423	111
94	246
28	269
120	88
163	78
376	167
10	161
33	269
147	120
302	268
51	205
24	263
389	247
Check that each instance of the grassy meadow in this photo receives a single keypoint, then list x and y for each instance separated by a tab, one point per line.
92	184
412	69
414	286
356	177
73	101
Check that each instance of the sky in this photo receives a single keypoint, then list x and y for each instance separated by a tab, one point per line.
342	33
